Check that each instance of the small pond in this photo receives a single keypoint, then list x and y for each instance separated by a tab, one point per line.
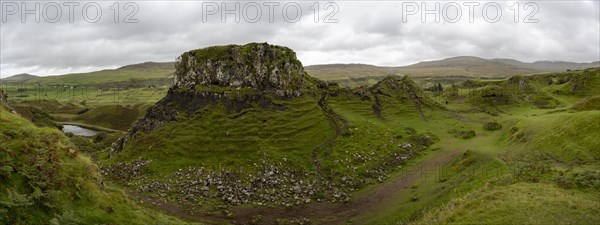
79	131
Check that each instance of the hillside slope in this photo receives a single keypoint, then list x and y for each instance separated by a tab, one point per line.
45	180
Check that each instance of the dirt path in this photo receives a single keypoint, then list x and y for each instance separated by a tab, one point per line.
321	212
176	210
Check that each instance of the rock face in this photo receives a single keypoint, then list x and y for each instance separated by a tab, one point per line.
234	76
3	97
260	66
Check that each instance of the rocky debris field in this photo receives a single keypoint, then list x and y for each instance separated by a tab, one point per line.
268	183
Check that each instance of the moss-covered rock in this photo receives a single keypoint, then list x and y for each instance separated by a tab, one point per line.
260	66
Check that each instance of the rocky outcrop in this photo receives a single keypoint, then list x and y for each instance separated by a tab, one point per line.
3	97
236	77
259	66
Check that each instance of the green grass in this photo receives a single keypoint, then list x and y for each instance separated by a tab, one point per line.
213	137
572	137
524	203
532	168
589	103
118	117
105	109
85	95
114	98
45	180
495	194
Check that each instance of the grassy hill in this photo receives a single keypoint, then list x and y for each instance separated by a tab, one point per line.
242	144
136	73
18	78
45	180
464	66
344	71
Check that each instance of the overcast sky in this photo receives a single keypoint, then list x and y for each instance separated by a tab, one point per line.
365	32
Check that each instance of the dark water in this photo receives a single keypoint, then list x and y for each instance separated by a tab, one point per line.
79	131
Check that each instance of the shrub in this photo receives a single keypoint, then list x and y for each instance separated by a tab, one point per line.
82	111
545	102
423	140
590	103
565	181
585	179
100	137
464	134
492	126
414	198
530	171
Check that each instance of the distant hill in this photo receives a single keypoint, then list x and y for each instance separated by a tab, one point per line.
341	71
19	77
463	66
550	66
468	66
145	71
151	65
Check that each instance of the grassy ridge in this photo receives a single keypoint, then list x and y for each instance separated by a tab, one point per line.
119	117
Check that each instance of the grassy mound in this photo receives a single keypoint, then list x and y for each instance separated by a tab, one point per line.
523	203
38	116
570	138
515	91
313	147
118	117
492	126
584	83
213	136
44	180
394	95
590	103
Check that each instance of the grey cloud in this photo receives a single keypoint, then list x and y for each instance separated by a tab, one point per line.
367	32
